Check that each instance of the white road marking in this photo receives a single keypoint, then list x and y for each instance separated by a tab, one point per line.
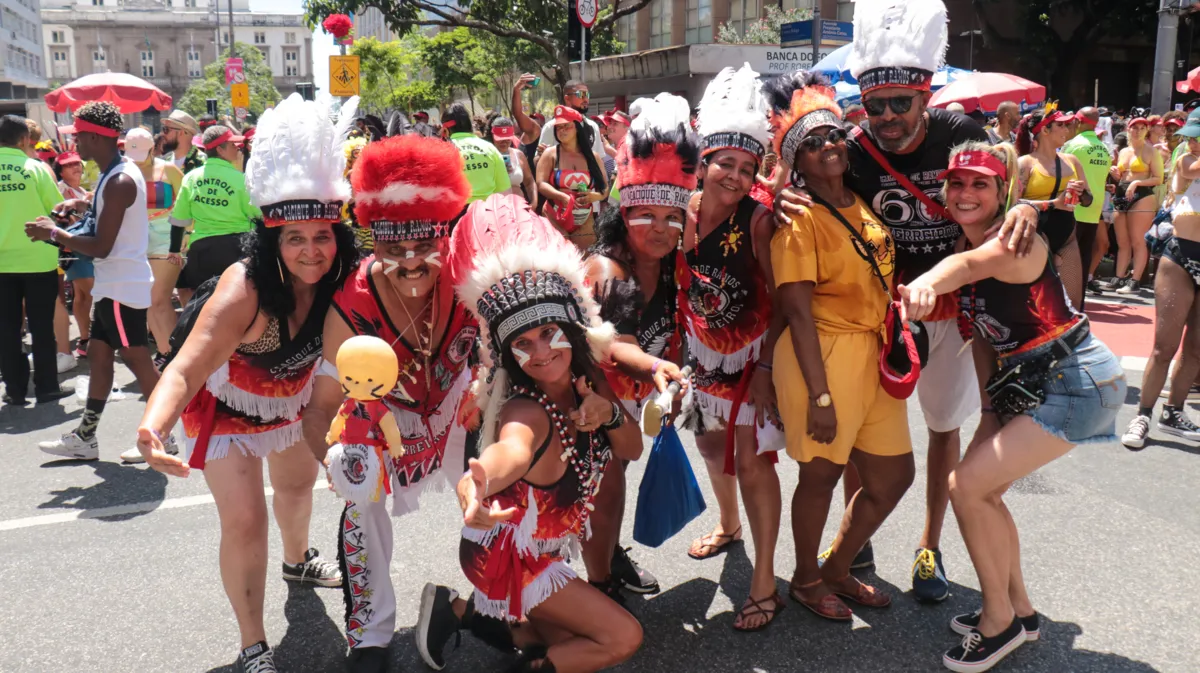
1133	363
119	510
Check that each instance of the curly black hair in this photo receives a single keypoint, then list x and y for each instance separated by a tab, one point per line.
263	267
622	302
584	140
778	90
101	113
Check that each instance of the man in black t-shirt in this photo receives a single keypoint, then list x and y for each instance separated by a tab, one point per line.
916	141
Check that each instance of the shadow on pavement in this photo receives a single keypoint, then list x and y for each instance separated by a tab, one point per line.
16	420
313	641
120	485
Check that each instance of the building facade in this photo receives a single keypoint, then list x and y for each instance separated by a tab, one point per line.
167	42
369	22
22	64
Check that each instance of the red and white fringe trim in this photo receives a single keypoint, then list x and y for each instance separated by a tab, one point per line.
553	578
260	406
732	363
407	499
259	445
716	414
413	425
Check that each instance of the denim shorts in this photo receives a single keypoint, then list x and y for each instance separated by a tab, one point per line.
1083	394
82	268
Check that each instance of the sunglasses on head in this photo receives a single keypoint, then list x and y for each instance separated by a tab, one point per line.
814	141
899	104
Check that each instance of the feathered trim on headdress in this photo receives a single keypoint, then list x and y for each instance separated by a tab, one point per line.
296	171
515	271
733	113
657	161
409	188
898	43
800	102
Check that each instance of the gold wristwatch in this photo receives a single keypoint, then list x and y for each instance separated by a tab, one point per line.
823	400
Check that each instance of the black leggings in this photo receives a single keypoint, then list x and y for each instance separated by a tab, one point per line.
1085	236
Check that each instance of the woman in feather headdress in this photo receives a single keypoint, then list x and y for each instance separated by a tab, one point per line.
725	273
247	388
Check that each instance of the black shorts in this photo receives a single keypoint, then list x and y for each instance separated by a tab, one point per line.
118	325
1185	254
1122	204
208	258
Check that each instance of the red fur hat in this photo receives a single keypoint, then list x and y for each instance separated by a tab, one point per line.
409	188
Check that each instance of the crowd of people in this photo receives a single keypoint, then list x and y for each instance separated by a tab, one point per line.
797	269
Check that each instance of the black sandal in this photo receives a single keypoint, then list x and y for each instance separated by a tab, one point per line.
753	608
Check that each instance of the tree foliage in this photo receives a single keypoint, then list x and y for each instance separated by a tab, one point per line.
390	72
765	30
1051	35
262	85
540	23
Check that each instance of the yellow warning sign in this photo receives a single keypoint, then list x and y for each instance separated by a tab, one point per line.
239	95
343	75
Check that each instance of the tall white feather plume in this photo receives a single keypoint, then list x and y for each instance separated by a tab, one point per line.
898	33
733	103
297	152
664	112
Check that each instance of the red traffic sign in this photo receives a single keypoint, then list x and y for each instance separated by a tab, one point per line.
587	10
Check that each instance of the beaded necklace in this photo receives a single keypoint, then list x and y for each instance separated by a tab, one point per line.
590	468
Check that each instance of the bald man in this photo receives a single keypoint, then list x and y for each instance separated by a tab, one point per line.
1008	115
1093	154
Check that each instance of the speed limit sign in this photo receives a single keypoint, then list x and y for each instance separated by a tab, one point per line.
587	10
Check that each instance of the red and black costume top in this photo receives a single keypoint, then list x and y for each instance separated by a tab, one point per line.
1018	317
428	394
652	321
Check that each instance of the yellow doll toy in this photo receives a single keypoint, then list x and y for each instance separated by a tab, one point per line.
367	369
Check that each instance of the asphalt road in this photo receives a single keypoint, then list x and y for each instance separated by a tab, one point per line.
112	568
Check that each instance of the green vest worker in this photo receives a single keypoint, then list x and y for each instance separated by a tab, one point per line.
28	269
214	202
484	164
1093	155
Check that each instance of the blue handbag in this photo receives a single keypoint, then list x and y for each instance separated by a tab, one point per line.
669	497
1160	232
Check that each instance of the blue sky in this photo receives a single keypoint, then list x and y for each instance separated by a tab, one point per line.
323	46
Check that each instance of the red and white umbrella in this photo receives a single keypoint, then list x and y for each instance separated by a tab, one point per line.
987	90
130	93
1192	83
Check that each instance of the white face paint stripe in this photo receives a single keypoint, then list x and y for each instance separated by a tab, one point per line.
389	265
433	260
409	254
559	341
675	224
522	357
640	222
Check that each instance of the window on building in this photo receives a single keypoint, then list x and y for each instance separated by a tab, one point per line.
97	3
59	65
58	36
742	13
189	3
194	68
289	38
225	38
627	32
147	63
845	10
99	61
260	38
660	23
699	22
291	64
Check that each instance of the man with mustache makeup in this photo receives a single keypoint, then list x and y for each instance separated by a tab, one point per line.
898	47
409	190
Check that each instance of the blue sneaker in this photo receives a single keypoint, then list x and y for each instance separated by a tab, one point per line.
863	560
929	577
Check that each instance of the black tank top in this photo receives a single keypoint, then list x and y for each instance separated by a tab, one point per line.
727	291
1018	317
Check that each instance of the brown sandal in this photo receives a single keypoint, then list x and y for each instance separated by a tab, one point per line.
711	544
753	608
828	606
863	594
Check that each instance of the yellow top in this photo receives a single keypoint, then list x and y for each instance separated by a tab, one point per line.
1041	184
818	249
1137	165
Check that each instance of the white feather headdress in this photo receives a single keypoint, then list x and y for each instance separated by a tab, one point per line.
297	164
664	111
733	113
898	43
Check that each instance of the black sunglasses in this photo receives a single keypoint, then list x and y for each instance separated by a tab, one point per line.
899	104
813	142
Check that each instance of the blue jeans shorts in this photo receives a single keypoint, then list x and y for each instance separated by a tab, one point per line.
1083	394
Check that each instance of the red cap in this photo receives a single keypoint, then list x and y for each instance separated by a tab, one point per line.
976	161
1049	119
602	120
1173	121
900	364
563	114
504	132
619	117
68	158
226	137
1138	120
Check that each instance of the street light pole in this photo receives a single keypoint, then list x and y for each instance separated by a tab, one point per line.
1164	56
232	49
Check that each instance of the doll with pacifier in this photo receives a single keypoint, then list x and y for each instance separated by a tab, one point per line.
364	427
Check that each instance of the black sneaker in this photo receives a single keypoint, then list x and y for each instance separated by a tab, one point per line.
964	624
977	653
21	401
367	660
1128	286
314	570
635	578
55	396
1113	283
257	658
611	588
1094	287
160	362
436	623
863	560
929	581
1172	421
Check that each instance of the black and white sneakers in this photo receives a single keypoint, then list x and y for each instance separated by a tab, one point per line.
964	624
1172	421
257	658
1134	438
634	577
436	624
314	570
977	653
